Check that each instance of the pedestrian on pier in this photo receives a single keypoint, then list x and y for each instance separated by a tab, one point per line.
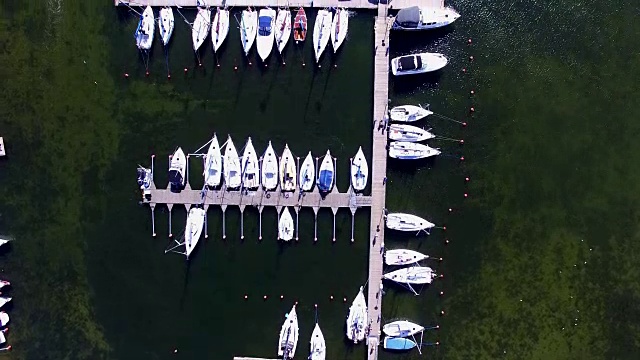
384	181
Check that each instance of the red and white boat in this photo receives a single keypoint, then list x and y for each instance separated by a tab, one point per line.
300	26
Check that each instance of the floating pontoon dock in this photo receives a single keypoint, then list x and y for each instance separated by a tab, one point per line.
349	4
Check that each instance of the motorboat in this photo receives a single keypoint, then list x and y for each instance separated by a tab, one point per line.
177	169
250	167
288	340
359	171
145	29
424	18
398	343
408	113
200	28
403	257
248	29
288	170
321	32
307	173
4	319
4	283
339	28
283	29
4	300
285	225
269	169
266	32
219	28
166	23
232	169
145	177
412	275
318	345
408	133
193	230
417	63
213	164
357	319
402	328
326	174
407	222
300	26
410	151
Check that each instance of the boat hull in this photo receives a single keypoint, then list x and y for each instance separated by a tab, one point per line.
359	171
357	319
219	28
283	29
403	257
200	29
269	169
288	171
145	30
408	133
249	167
232	168
213	164
394	343
407	222
177	169
422	63
339	28
288	340
326	174
248	29
414	275
401	328
166	23
285	225
427	19
307	173
411	151
193	230
266	32
408	113
300	26
321	32
318	345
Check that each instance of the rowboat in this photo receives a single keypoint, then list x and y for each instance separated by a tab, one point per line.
300	26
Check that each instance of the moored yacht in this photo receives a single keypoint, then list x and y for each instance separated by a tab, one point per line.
193	230
166	23
200	28
285	225
403	257
145	29
283	29
411	151
269	169
288	170
288	340
412	275
424	18
326	174
321	32
417	63
219	28
408	133
318	345
407	222
248	29
232	170
339	28
300	26
402	328
213	164
357	319
359	171
307	173
266	24
177	169
249	167
408	113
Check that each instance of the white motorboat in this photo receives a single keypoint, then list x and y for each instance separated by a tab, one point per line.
288	340
4	283
410	151
402	328
359	171
250	167
417	63
232	169
357	319
285	225
326	174
408	133
318	345
219	28
403	257
283	29
409	113
266	32
4	319
213	164
407	222
339	28
248	29
321	32
200	28
4	300
424	18
145	29
269	169
166	24
412	275
177	169
307	173
288	170
193	230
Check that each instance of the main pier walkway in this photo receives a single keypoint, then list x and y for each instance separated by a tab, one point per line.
349	4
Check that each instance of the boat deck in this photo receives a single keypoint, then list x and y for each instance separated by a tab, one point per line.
351	4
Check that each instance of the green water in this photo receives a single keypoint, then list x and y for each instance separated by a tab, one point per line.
541	259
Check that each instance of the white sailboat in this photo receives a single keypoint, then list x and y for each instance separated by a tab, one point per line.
144	31
285	225
412	275
424	18
213	164
307	173
248	29
193	230
219	28
417	63
357	319
407	222
318	345
359	171
266	32
339	28
269	169
408	133
200	29
409	113
326	174
321	32
288	340
403	257
4	319
166	23
283	29
177	169
411	151
288	170
402	328
232	170
250	167
4	300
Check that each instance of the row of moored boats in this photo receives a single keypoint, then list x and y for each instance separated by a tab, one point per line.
4	317
405	138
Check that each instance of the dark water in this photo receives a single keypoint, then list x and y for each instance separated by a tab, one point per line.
541	256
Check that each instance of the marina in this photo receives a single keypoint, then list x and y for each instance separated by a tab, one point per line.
355	4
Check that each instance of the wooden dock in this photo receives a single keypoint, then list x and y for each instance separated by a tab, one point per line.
350	4
250	358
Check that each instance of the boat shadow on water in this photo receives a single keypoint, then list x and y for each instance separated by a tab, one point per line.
411	167
409	84
274	75
409	42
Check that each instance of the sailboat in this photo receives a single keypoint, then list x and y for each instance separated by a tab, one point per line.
283	28
193	230
357	319
249	167
4	319
402	328
288	170
266	24
398	343
409	133
288	340
4	300
165	24
412	275
359	171
269	169
307	173
403	257
145	29
201	26
213	164
407	222
408	113
177	169
232	168
219	28
285	226
300	26
318	345
248	29
339	28
326	174
321	32
411	151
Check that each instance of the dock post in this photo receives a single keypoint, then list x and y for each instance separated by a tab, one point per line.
297	215
315	230
260	221
334	210
353	220
224	223
186	170
153	219
242	222
298	179
170	206
278	208
206	231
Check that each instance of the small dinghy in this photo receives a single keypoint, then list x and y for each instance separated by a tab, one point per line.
248	29
424	18
288	170
300	26
193	230
4	319
219	28
232	168
403	257
321	32
417	63
394	343
307	173
249	167
402	328
145	29
285	225
283	29
412	275
4	300
339	28
318	345
288	340
201	26
407	222
411	151
408	133
165	24
266	33
177	169
213	164
357	319
359	171
269	169
408	113
326	174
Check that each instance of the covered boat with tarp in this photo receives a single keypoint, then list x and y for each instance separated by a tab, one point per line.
424	18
